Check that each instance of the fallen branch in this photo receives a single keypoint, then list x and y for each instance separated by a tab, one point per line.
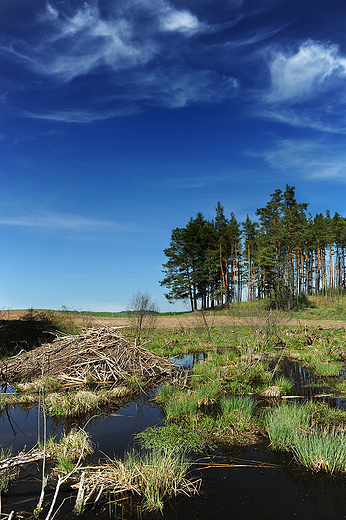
21	459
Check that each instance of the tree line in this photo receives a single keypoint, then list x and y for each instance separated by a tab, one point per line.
284	256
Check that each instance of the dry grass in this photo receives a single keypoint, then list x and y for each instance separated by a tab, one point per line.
154	476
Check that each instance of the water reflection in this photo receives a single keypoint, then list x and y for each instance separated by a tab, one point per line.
187	362
304	384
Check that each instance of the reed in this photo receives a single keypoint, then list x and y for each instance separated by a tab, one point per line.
182	408
321	449
237	412
284	423
70	445
155	475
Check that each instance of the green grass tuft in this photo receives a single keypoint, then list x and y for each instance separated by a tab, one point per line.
321	450
284	423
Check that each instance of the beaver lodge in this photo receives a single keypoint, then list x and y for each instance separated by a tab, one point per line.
99	357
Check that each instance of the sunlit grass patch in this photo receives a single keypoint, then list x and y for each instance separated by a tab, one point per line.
167	392
283	384
48	384
156	476
207	394
328	369
183	436
237	412
206	372
7	474
178	409
81	402
71	404
323	415
70	444
284	422
321	449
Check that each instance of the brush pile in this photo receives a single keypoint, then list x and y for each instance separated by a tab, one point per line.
98	357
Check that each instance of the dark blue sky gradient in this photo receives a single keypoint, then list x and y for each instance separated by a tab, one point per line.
120	120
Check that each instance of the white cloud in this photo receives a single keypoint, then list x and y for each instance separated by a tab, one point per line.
79	116
66	221
71	46
313	69
304	118
182	21
318	159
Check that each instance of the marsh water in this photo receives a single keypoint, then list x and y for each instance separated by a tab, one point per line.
243	484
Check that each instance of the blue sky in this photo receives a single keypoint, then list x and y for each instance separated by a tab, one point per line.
121	119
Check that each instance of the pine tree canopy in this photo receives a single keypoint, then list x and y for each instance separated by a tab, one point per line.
283	257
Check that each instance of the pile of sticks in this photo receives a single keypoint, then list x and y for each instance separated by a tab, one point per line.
99	356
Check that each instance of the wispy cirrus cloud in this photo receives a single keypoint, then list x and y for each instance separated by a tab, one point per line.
143	51
71	45
312	159
299	76
306	87
79	116
62	221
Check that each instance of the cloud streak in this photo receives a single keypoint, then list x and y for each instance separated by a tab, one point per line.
98	63
312	159
62	221
139	51
313	69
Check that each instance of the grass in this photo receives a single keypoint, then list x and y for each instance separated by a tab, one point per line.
66	404
174	436
237	412
65	464
192	422
183	408
304	430
284	423
207	394
5	475
155	475
284	385
321	450
328	370
70	445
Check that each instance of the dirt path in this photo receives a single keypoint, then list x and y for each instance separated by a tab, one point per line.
186	322
190	321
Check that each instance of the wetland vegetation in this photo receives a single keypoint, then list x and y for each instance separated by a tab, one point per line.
242	391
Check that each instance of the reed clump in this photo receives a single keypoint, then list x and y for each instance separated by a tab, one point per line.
321	449
70	445
154	476
237	412
284	423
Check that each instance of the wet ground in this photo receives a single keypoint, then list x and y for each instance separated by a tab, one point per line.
242	484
